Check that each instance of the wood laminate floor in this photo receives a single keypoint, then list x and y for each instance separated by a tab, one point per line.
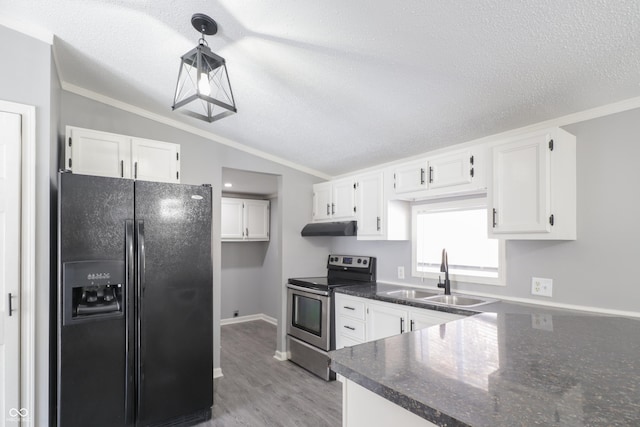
258	390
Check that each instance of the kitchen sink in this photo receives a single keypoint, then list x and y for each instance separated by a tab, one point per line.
409	294
458	300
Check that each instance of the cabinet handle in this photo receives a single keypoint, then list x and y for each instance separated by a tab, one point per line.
430	174
421	176
333	208
378	223
328	211
351	328
121	168
348	308
11	310
135	170
402	325
247	231
413	323
494	217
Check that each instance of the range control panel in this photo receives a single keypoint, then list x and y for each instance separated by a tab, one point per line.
349	261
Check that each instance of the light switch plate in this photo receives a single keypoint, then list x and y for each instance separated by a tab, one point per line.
541	286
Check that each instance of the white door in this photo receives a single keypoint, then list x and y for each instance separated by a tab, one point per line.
256	219
450	170
521	186
322	201
155	160
90	152
10	161
410	177
232	227
370	204
343	195
384	321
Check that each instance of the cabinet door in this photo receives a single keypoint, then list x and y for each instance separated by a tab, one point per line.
385	320
343	201
322	201
91	152
370	208
232	226
155	160
450	170
521	186
411	177
256	219
423	318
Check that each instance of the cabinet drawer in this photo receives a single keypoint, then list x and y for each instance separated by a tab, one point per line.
350	327
349	307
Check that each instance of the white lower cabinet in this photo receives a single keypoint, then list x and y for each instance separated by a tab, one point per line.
360	320
385	320
363	408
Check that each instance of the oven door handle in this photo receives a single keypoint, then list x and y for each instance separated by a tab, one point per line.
307	290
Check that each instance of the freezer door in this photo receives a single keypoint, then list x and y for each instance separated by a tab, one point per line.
175	307
93	366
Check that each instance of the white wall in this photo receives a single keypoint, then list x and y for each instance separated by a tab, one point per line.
597	270
26	78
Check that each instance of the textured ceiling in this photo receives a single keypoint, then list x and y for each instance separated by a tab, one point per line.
337	85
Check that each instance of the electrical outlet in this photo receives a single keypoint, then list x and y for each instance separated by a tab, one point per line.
542	321
401	272
541	286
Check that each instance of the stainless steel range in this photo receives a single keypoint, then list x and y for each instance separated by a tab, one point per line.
310	309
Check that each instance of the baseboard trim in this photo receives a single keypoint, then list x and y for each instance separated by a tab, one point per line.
281	356
249	318
217	373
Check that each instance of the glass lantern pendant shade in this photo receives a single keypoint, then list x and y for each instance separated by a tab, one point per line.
203	89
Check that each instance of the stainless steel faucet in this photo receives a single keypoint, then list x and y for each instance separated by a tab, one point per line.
444	268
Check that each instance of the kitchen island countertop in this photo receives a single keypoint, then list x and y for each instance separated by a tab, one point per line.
503	367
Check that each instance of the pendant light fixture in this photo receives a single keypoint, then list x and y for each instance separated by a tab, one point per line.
203	89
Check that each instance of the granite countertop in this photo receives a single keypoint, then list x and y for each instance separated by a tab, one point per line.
503	368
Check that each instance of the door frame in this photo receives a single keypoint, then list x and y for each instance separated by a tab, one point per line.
27	255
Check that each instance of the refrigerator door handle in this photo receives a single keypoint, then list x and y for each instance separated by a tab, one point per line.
128	308
140	270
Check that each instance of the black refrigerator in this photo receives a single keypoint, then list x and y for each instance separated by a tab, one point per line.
134	332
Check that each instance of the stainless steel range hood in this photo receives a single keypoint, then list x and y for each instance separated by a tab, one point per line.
343	228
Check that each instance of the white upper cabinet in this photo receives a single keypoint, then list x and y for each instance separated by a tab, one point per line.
256	219
532	194
369	204
91	152
155	160
232	215
378	216
451	170
343	205
244	219
411	177
334	200
457	172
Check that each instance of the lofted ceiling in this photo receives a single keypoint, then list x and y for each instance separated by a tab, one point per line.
337	86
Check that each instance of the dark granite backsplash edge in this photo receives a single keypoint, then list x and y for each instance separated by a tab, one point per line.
400	399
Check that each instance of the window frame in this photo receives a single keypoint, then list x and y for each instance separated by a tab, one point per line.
454	205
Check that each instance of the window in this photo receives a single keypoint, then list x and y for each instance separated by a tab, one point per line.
460	227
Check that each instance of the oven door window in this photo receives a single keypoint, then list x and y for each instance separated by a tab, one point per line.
307	314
